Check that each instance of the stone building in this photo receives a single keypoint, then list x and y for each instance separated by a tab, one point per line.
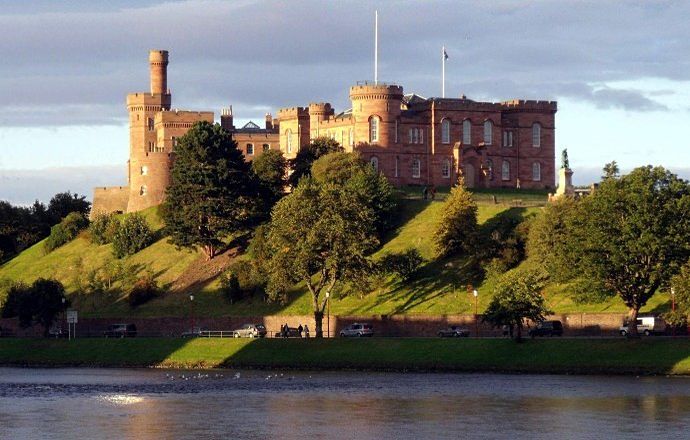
410	139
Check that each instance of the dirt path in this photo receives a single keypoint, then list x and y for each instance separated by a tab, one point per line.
201	271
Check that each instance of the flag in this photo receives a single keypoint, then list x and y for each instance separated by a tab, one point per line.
445	54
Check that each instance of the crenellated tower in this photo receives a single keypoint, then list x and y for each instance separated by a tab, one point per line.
380	101
318	111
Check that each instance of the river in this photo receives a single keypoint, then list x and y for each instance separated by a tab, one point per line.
81	403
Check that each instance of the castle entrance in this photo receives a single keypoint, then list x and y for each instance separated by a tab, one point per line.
469	175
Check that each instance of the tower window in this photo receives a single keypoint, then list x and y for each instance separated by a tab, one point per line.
536	171
505	170
250	149
374	161
409	135
467	132
149	124
416	168
536	135
143	190
488	132
397	123
374	129
445	169
288	136
397	166
144	170
445	131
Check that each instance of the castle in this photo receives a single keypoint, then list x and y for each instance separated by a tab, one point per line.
410	139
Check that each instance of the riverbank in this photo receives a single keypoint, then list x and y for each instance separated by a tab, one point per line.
564	356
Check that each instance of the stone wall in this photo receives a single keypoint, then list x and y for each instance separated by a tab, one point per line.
110	199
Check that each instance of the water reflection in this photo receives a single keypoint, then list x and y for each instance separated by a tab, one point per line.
148	404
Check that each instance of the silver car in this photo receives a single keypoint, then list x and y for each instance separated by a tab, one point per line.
250	331
357	330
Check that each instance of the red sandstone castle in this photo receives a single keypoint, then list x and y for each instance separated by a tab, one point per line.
410	139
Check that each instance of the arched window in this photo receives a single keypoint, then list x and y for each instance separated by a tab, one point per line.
288	136
505	170
488	132
536	135
490	166
467	132
144	170
445	169
374	129
415	135
149	124
445	131
142	190
250	149
266	147
416	168
374	161
536	171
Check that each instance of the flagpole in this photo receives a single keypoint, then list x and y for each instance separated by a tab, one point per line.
443	72
376	47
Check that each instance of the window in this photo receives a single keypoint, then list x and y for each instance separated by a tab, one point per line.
490	166
411	137
467	132
152	147
374	129
174	142
396	131
351	138
445	131
536	135
415	135
507	138
288	136
144	170
505	170
397	166
488	132
421	135
142	190
374	161
445	169
149	124
266	147
416	168
536	171
250	149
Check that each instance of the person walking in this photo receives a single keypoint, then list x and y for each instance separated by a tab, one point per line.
306	331
299	330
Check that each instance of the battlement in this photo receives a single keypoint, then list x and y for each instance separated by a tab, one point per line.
521	104
135	101
320	107
293	112
183	115
367	90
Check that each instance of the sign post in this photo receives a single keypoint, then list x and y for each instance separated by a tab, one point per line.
72	319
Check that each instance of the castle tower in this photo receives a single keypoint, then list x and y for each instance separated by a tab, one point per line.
380	101
149	162
318	111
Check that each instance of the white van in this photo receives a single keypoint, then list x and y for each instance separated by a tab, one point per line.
646	325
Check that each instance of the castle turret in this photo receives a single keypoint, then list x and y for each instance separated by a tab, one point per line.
318	111
375	101
158	66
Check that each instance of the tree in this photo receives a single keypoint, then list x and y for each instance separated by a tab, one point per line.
270	169
517	297
632	234
211	193
301	164
103	228
39	303
132	235
456	231
680	283
319	234
63	203
66	231
611	171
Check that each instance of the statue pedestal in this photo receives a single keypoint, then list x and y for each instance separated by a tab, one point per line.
565	183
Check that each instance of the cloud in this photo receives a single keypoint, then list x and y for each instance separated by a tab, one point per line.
266	54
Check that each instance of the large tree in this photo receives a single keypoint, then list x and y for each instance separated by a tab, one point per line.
40	303
66	202
270	169
632	234
211	193
456	231
319	234
301	164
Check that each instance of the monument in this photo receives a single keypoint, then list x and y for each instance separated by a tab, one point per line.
565	178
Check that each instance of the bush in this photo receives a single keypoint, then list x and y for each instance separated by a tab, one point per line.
405	264
133	235
65	231
143	291
456	232
243	278
103	228
230	286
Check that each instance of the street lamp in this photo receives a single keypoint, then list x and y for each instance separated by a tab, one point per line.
191	309
476	322
64	314
673	307
328	314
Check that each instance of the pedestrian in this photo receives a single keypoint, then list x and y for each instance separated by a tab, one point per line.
286	330
306	331
433	192
424	193
299	330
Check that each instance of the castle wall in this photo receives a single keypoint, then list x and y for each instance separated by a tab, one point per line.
261	141
110	199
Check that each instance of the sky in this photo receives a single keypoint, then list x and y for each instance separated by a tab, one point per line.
620	71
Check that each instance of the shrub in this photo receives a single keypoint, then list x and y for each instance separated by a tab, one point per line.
65	231
456	232
230	286
133	235
143	291
103	228
405	264
243	278
39	303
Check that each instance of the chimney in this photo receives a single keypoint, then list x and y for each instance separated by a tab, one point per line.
269	121
226	119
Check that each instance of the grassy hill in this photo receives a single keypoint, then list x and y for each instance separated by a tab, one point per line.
439	288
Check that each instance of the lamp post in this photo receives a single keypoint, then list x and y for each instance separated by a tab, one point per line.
328	314
673	308
64	315
476	322
191	310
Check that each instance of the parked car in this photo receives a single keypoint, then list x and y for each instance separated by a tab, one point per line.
547	328
194	332
121	331
56	331
646	325
454	331
357	330
250	331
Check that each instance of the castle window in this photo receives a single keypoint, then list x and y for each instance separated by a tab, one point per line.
421	135
396	130
415	135
467	132
507	138
505	170
142	190
397	166
266	147
288	136
351	138
250	149
416	168
374	129
536	171
152	147
445	131
410	138
490	166
536	135
445	169
149	124
374	161
488	132
144	170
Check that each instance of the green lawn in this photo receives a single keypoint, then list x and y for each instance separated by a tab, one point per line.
617	356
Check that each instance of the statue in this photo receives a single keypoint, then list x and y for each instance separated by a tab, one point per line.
565	163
